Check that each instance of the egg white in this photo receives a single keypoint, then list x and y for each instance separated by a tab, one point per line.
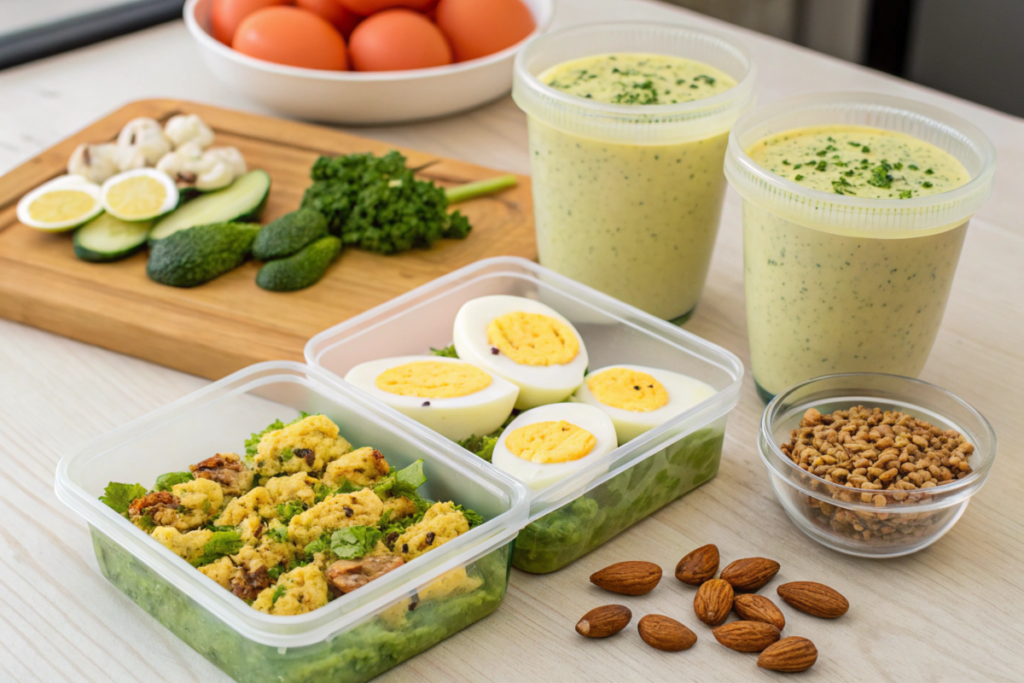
539	476
538	384
684	392
455	418
64	182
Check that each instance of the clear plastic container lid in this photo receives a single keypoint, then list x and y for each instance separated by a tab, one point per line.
614	332
219	418
633	124
843	213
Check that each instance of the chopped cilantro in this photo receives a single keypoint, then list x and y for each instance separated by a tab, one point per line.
165	481
880	175
906	194
287	454
865	149
926	184
278	594
353	542
119	496
285	511
822	165
220	544
481	446
929	172
445	352
275	572
278	532
472	516
798	177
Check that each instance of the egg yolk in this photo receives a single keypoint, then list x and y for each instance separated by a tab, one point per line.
61	205
433	379
628	389
533	339
138	196
550	442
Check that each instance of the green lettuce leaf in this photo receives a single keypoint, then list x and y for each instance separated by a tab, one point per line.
119	496
165	481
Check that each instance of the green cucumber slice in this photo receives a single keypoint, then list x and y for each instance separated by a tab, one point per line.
105	238
241	201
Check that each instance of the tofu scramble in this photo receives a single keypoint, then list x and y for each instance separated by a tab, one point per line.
302	519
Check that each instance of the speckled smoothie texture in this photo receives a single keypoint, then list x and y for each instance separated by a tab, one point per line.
637	222
820	303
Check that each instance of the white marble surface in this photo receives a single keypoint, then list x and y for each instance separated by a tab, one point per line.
951	612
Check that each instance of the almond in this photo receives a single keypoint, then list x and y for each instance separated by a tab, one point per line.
753	607
713	601
746	576
746	636
602	622
698	566
628	578
664	633
815	599
789	655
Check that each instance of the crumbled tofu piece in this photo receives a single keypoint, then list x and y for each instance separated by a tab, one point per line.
299	591
441	523
362	467
362	508
308	445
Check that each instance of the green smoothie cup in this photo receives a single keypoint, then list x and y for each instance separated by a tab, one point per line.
835	283
627	198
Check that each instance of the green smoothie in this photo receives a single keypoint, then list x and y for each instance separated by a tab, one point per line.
820	300
635	220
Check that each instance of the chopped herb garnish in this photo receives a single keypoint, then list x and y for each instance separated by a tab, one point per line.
220	544
165	481
445	352
906	194
119	496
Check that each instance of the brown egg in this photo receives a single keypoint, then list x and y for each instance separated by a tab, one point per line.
477	28
396	40
368	7
333	11
291	36
226	15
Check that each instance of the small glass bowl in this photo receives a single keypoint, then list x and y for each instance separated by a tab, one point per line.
844	518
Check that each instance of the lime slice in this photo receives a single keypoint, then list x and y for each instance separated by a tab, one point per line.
60	204
139	195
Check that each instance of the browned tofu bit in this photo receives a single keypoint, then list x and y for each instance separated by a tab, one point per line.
348	575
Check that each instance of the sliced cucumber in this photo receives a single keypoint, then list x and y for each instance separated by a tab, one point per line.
106	238
240	201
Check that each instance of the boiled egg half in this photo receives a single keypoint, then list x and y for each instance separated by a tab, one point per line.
638	398
525	342
547	444
60	204
452	397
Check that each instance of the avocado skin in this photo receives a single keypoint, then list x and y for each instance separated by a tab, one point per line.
289	234
299	270
197	255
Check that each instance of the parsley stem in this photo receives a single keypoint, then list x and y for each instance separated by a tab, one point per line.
479	188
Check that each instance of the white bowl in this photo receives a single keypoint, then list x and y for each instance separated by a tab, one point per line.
361	97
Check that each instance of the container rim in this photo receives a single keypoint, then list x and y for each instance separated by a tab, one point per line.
623	456
807	206
708	106
199	33
324	623
777	461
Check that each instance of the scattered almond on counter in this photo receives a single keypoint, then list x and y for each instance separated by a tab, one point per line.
750	574
605	621
665	633
713	601
699	565
752	607
746	636
789	655
628	578
815	599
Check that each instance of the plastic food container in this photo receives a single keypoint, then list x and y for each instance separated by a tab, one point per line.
843	267
353	638
836	516
584	510
640	185
364	98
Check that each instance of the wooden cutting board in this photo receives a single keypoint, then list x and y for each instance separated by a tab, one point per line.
224	325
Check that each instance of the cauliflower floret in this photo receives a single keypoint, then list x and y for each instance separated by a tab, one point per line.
95	163
441	523
142	143
188	546
228	470
162	508
200	494
362	508
362	467
305	446
248	505
301	590
188	128
221	571
298	486
212	169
